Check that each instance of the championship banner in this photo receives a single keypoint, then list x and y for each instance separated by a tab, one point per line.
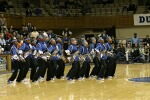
141	19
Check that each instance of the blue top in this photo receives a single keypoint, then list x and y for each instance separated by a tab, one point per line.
25	48
60	48
101	48
84	50
73	48
14	51
51	49
135	40
92	46
108	47
41	46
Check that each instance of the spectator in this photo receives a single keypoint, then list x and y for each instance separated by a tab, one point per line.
144	51
145	11
16	35
2	41
30	27
65	41
128	51
136	53
122	41
34	34
28	12
114	42
11	30
120	52
132	7
9	35
135	40
10	3
37	11
104	36
3	21
146	41
51	34
85	9
24	31
26	4
67	33
148	4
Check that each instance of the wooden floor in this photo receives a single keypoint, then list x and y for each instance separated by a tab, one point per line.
119	88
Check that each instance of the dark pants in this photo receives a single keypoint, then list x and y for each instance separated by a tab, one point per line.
26	66
87	70
53	68
103	68
60	69
96	68
33	65
114	67
74	71
83	69
110	66
49	70
41	64
16	65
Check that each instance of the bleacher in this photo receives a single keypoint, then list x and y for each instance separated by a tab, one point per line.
49	9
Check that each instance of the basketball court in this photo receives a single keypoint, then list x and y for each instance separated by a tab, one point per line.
117	88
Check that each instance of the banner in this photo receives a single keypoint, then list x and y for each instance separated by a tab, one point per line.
141	19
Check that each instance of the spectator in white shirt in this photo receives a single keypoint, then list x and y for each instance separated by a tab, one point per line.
2	41
34	34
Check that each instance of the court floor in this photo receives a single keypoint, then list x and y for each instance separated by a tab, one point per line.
118	88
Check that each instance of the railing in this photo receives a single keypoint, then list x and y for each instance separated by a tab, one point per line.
71	22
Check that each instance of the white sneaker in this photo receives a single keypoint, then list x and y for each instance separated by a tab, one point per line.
41	79
109	77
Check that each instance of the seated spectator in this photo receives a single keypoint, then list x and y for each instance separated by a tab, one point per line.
30	27
78	3
62	4
145	11
135	40
51	34
132	7
34	34
146	41
120	52
24	31
10	3
3	6
128	51
148	4
136	54
16	35
104	36
28	12
26	4
60	12
122	41
11	30
67	33
9	35
114	42
85	9
2	41
37	11
144	51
